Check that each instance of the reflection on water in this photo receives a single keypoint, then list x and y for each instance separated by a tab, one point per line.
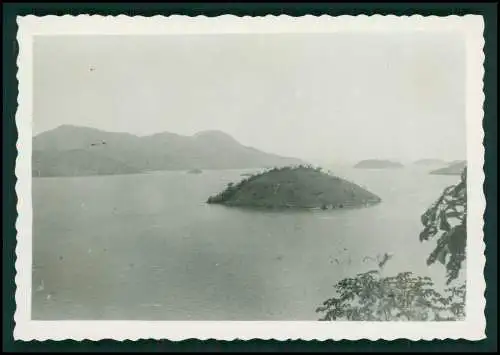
149	247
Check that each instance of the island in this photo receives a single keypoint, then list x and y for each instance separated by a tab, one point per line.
455	168
195	171
294	187
378	164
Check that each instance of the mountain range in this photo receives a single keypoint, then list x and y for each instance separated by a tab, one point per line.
82	151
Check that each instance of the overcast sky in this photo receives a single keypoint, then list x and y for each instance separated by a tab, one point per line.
331	97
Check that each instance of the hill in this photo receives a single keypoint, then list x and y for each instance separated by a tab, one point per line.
76	163
454	168
294	187
162	151
378	164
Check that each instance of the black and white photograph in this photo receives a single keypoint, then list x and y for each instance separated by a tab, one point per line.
276	170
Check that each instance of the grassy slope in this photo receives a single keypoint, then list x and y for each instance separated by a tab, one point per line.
295	188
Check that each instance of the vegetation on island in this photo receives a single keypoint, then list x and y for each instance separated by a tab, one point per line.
299	187
370	296
378	164
195	171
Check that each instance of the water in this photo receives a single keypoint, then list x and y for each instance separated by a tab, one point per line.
148	247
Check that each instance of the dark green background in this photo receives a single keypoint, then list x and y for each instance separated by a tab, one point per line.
10	11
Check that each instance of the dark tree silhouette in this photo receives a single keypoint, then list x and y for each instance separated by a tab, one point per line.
446	221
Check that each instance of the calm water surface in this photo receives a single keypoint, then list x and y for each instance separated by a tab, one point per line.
148	247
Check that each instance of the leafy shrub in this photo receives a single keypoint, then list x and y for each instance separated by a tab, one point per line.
446	221
404	297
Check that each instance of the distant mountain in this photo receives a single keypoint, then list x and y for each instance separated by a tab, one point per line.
77	162
98	152
378	164
430	162
454	168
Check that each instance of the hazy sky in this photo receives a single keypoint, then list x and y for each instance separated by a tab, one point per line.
331	97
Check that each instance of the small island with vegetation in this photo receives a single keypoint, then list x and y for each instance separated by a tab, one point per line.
294	187
195	171
378	164
455	168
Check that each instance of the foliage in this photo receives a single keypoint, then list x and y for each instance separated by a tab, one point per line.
446	220
404	297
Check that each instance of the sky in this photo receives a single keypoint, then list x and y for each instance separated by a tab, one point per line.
323	97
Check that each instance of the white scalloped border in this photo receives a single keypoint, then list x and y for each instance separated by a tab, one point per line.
473	328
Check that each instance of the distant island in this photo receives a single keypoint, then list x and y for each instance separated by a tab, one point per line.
81	151
430	162
195	171
455	168
298	187
378	164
